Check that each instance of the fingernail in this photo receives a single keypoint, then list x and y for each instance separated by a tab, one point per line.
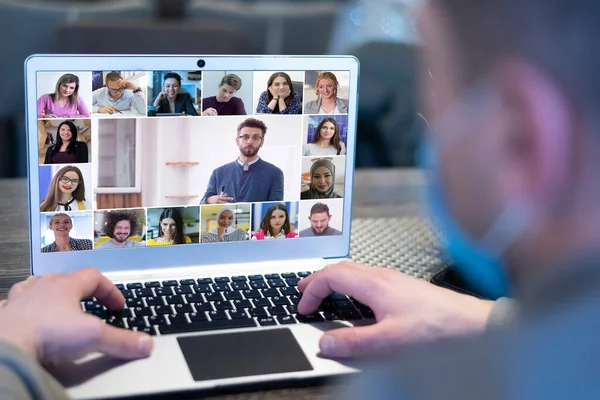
145	345
327	344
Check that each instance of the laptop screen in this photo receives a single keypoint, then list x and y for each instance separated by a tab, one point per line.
154	158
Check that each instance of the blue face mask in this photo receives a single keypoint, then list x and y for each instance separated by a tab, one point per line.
479	261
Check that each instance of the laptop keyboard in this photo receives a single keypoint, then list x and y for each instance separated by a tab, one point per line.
204	304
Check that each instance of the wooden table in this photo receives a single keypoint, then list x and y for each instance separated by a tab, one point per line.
377	193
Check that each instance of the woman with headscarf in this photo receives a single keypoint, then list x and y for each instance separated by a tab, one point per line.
225	230
322	181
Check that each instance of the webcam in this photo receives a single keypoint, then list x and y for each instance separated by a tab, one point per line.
201	63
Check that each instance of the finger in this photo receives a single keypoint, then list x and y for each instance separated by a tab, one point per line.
377	339
90	282
119	343
21	287
354	282
3	303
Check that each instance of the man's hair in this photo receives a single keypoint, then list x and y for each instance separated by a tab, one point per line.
558	36
232	80
319	208
111	218
112	77
252	123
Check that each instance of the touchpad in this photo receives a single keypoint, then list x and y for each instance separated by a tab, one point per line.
230	355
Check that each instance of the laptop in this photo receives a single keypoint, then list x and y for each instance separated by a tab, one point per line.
194	183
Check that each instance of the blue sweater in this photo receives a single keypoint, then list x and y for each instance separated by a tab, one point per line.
262	182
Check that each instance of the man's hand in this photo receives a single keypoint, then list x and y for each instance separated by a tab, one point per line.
127	84
406	309
210	112
43	317
219	199
107	110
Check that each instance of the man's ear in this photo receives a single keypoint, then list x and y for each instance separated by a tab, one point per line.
329	219
309	217
539	140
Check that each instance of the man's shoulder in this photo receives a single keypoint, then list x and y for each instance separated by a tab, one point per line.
99	90
225	167
306	232
333	231
267	165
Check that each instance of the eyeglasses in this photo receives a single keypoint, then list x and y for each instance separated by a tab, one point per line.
66	179
247	138
119	90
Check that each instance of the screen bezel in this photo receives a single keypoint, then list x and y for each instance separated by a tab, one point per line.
194	255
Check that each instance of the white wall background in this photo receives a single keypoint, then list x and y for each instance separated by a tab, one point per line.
261	78
213	142
336	210
338	161
46	83
83	228
212	79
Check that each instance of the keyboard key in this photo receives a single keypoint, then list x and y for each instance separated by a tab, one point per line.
183	308
99	313
295	299
258	312
344	304
170	283
127	293
239	286
271	276
88	298
286	319
194	298
266	321
242	304
251	294
276	283
270	292
288	275
163	291
232	295
163	310
219	314
258	284
120	286
134	285
239	278
187	282
261	302
175	299
292	281
331	316
198	326
143	293
157	320
237	314
293	309
222	305
142	311
304	274
149	330
316	317
202	281
152	284
201	307
337	296
203	288
280	301
131	303
351	314
178	319
288	291
198	317
136	322
366	312
93	305
183	290
213	296
124	313
221	287
255	277
154	301
116	322
222	279
277	310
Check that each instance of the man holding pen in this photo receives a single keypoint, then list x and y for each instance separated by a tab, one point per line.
118	95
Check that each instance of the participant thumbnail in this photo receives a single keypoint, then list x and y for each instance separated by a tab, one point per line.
63	187
64	141
64	94
66	231
322	177
226	93
326	92
171	226
225	223
274	220
119	93
325	135
321	217
116	229
175	93
278	92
